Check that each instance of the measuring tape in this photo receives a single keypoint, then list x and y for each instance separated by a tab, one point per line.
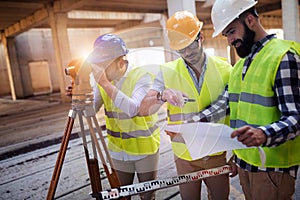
138	188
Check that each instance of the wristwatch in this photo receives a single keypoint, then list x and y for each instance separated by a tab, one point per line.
159	96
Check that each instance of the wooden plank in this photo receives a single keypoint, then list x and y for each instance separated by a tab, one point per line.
26	23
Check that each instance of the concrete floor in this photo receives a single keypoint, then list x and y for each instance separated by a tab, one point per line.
30	137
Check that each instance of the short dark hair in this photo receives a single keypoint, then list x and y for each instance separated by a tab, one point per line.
251	10
198	36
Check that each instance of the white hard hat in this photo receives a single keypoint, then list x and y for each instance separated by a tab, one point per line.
225	11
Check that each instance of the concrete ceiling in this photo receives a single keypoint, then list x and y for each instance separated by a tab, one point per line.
17	16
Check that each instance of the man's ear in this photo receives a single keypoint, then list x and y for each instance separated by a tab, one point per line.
250	21
125	62
118	63
122	62
201	36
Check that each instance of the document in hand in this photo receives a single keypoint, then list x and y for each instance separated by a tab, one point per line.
203	139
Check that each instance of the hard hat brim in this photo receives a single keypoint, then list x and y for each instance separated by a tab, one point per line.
178	40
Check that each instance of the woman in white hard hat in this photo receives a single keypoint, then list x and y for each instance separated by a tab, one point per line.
195	75
133	141
263	95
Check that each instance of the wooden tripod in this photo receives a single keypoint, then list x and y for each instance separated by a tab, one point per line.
84	108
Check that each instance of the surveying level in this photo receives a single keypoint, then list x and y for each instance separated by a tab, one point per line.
82	105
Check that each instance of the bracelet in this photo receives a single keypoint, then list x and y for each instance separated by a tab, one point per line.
159	96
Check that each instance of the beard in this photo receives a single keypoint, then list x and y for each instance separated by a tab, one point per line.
246	42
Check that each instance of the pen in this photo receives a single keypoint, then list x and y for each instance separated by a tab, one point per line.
188	100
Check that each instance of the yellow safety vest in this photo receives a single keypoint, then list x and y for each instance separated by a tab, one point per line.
134	135
252	102
176	76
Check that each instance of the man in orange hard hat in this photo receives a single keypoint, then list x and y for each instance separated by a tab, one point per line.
198	76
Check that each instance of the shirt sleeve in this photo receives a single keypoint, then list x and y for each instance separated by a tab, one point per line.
98	102
158	84
287	88
130	105
217	110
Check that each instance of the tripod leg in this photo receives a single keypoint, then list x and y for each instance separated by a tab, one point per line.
92	163
112	176
114	173
61	156
95	176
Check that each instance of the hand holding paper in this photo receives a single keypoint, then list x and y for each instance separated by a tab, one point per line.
250	136
203	139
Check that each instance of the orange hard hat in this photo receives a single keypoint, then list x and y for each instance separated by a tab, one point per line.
182	27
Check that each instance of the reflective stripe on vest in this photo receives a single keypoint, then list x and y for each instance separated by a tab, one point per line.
176	76
252	102
134	135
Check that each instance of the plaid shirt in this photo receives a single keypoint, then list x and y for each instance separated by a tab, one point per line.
287	89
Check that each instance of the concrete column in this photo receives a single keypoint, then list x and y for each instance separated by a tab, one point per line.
9	70
13	67
176	5
58	23
290	20
169	54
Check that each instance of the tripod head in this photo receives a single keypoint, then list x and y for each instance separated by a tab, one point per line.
79	70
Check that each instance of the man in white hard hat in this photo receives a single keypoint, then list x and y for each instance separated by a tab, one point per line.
263	95
133	141
198	77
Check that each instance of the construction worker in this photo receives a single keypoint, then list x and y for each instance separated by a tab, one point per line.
133	141
195	75
263	95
